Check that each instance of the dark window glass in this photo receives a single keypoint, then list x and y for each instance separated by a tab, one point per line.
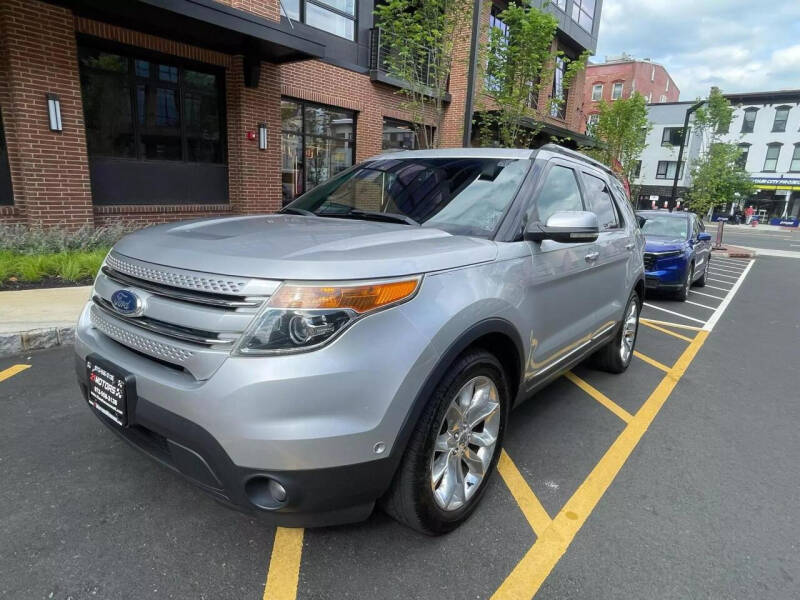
637	169
402	135
742	159
106	92
331	21
136	108
666	169
781	116
559	192
749	121
6	195
583	13
465	196
600	202
672	136
559	93
317	143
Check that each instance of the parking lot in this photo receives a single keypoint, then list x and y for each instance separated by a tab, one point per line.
677	479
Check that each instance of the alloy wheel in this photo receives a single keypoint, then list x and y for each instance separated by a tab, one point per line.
629	332
465	443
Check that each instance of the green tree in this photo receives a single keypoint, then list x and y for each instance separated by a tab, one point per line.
520	61
621	129
417	40
718	175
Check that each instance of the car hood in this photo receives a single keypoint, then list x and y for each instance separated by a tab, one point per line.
663	243
299	247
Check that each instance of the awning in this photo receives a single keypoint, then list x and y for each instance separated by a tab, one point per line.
203	23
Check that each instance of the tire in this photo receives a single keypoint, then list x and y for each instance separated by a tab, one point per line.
701	282
682	294
415	499
614	357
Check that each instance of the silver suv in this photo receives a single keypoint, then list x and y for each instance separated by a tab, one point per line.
367	343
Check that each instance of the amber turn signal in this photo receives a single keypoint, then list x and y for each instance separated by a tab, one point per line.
360	298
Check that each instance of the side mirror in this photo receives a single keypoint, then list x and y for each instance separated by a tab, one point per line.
565	227
703	237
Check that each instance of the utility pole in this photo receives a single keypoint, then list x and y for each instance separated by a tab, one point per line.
689	112
472	72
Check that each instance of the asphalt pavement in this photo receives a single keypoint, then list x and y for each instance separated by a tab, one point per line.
759	237
677	479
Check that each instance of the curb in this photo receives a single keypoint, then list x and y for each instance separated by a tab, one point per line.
734	254
35	339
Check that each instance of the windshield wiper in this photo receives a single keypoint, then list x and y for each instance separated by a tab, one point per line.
371	215
298	211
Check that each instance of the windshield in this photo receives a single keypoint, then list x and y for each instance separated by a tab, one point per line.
673	227
466	196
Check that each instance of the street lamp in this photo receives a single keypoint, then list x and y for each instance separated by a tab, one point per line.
689	112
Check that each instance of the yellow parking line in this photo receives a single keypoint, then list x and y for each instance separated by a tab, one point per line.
671	324
12	370
527	501
663	330
529	574
284	565
651	361
600	397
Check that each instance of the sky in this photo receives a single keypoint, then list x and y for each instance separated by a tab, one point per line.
737	45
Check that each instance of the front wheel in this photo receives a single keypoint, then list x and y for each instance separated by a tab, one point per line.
701	282
683	293
615	356
454	448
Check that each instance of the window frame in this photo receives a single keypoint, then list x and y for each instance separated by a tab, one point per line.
578	9
532	209
784	121
749	126
134	53
666	174
667	135
619	224
301	12
595	86
621	88
742	159
795	159
303	135
413	126
767	158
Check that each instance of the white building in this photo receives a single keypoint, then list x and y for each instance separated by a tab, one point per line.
765	125
656	172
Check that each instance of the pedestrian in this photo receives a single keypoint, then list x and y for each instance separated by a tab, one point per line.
748	213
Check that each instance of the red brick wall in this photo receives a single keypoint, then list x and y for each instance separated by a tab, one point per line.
627	73
269	9
50	172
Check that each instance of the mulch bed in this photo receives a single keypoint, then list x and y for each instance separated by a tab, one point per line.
46	282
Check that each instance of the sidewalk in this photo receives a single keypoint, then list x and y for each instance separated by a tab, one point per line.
34	319
735	252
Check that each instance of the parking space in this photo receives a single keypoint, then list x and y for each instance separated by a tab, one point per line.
91	517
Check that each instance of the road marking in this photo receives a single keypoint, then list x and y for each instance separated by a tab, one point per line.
284	565
726	269
528	503
720	281
652	361
724	304
709	295
651	325
713	287
672	312
698	304
670	324
529	574
600	397
715	274
12	370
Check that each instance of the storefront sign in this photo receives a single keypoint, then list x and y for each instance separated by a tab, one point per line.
777	183
785	222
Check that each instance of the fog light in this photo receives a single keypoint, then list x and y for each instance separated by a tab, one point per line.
277	491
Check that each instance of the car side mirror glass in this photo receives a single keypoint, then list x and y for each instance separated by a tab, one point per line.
565	227
703	237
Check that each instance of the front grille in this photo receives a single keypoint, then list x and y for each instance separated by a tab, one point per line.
189	319
649	261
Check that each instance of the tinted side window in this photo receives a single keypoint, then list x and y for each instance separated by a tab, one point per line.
600	202
559	192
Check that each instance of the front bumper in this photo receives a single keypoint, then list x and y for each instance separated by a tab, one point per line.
308	421
666	274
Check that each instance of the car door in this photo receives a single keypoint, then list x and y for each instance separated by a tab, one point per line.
702	250
609	279
559	310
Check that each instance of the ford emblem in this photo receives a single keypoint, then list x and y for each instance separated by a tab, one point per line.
127	303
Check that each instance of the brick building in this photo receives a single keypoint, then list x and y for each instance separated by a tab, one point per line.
621	76
155	110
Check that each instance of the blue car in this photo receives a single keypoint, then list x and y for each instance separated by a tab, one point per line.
677	251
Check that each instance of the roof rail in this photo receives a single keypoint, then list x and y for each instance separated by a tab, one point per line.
579	155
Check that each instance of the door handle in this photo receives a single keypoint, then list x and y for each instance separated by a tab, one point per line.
592	256
630	246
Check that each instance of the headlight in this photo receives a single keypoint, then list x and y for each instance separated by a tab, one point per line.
667	254
300	317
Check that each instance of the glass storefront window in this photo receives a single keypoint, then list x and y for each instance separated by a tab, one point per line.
317	142
402	135
334	16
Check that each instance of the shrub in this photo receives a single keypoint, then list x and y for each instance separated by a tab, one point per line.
70	266
25	240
